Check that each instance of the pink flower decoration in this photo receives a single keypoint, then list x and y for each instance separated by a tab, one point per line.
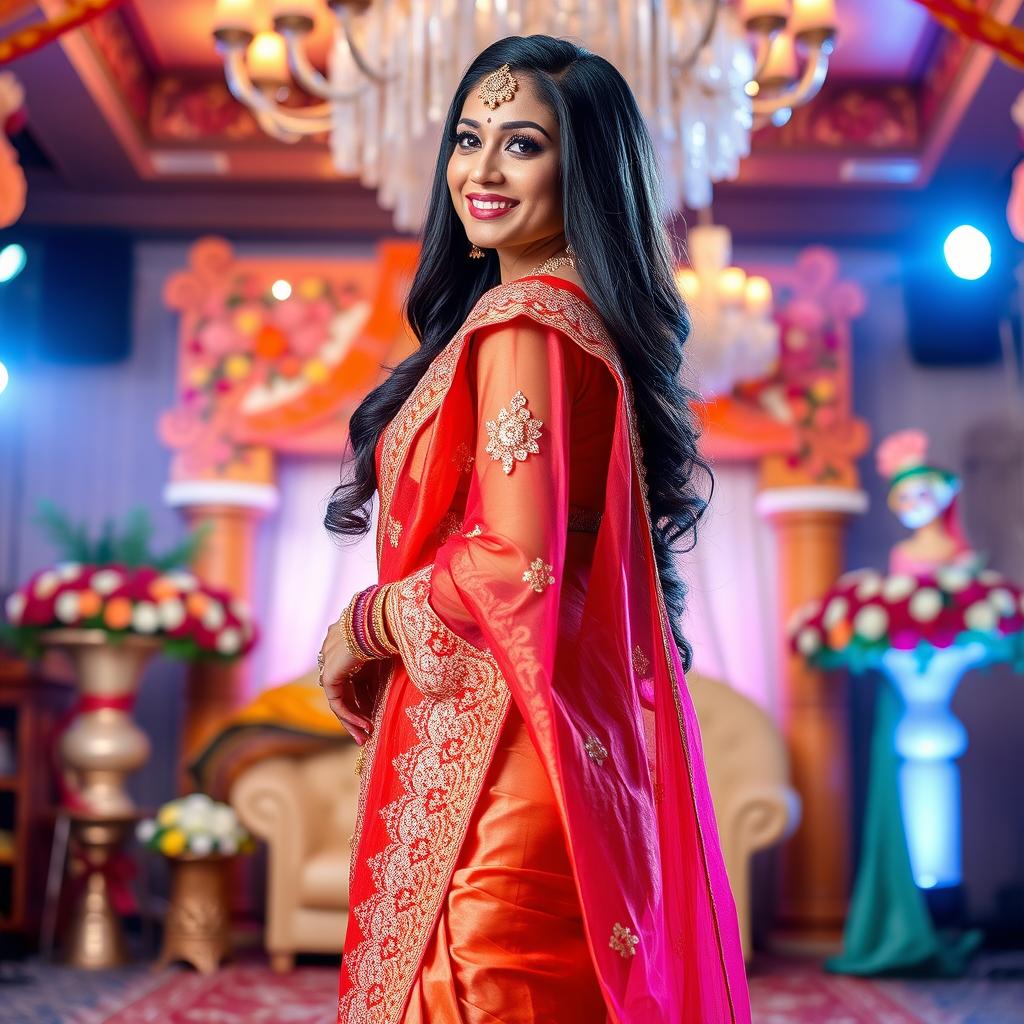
901	450
251	288
179	428
319	311
806	314
289	315
220	340
307	340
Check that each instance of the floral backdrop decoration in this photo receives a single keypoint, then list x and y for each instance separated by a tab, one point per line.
262	357
117	584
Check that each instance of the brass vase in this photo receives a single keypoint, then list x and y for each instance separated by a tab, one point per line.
102	746
197	926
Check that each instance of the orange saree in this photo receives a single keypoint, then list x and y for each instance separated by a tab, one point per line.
535	839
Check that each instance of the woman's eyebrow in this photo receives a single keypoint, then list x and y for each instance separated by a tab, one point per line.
508	125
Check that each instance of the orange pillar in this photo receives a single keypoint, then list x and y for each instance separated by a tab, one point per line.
809	525
226	558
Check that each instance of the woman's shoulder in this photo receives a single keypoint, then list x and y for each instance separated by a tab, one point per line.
550	302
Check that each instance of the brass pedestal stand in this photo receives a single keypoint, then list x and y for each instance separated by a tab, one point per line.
198	921
95	939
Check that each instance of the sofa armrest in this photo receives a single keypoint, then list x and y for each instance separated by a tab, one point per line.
269	801
755	817
761	815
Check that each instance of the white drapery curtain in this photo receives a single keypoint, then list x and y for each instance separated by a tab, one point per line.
305	577
731	619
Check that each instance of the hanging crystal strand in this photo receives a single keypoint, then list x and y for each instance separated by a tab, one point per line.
344	116
662	72
515	17
628	37
417	66
393	106
484	23
370	101
466	21
644	56
500	24
438	61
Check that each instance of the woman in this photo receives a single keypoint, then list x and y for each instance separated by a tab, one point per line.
535	840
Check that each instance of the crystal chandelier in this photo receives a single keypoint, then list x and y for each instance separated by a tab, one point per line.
703	72
735	337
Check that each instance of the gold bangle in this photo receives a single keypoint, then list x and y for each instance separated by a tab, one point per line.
380	628
391	601
349	632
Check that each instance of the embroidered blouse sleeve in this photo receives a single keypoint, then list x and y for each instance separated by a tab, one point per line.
496	583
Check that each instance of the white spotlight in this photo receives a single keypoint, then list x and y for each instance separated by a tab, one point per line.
12	262
281	289
968	252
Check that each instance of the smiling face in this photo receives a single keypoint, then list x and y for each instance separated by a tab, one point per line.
503	173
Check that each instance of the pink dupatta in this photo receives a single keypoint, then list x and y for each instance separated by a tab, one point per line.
611	717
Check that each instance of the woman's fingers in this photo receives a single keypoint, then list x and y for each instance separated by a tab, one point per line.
358	732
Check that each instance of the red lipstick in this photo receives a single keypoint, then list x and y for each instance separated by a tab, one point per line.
490	213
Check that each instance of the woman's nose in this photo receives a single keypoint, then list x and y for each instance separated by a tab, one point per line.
486	168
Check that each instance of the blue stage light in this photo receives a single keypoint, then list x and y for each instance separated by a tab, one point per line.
968	252
12	261
4	378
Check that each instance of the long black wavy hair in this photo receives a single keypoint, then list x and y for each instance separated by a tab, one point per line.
611	198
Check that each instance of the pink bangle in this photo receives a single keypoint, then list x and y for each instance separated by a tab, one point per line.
359	625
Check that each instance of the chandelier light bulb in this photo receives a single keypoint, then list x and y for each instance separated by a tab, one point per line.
732	283
304	9
688	283
813	16
781	67
764	15
268	61
758	295
234	16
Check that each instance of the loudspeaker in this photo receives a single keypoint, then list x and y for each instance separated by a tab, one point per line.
72	302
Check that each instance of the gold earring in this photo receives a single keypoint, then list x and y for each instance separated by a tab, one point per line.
475	252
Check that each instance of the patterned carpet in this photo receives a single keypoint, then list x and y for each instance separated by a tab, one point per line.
783	992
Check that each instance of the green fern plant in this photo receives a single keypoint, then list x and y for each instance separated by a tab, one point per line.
128	546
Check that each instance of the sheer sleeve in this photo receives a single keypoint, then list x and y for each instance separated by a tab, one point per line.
498	578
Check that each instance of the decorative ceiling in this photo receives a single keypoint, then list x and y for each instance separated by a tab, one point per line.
133	106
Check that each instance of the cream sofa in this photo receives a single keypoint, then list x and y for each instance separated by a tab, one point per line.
304	807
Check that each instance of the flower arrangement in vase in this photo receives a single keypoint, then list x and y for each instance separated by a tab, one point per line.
111	603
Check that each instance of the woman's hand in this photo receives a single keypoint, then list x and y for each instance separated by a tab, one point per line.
337	662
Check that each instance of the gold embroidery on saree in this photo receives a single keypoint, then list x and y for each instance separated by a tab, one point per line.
463	457
450	525
641	663
513	436
456	724
538	576
394	531
596	750
623	941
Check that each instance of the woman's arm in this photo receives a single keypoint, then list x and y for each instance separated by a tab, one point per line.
499	575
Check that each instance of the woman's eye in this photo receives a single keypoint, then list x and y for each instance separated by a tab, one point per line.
529	145
520	145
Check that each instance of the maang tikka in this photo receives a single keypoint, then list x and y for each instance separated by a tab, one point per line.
498	86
